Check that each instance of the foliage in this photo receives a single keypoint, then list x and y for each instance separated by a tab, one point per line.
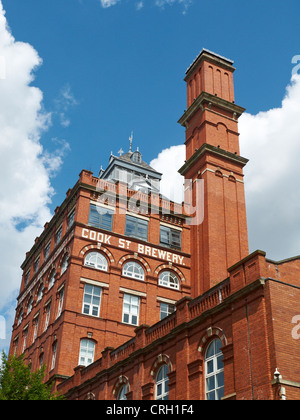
18	382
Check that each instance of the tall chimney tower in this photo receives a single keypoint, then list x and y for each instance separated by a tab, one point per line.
213	155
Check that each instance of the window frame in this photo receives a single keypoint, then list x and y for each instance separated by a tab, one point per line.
121	396
96	220
163	382
84	354
96	267
47	316
167	311
138	223
130	313
164	283
91	306
134	275
64	264
171	241
61	296
213	360
52	279
54	354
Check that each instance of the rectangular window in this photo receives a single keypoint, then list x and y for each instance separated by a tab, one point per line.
36	327
58	235
60	303
47	250
166	309
25	340
87	352
27	276
101	217
36	264
91	300
170	237
71	218
137	228
131	309
54	351
47	319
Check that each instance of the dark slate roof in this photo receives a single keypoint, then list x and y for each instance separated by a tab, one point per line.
127	158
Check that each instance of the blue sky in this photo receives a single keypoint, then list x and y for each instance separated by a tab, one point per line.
125	67
81	77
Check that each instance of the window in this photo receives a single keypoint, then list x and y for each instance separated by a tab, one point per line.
162	384
214	371
96	260
122	393
134	270
41	360
60	302
47	250
91	300
40	293
131	309
87	352
36	264
20	317
136	157
36	327
137	228
25	340
51	280
71	218
54	351
64	264
30	305
27	276
168	279
47	318
101	217
170	237
166	309
58	235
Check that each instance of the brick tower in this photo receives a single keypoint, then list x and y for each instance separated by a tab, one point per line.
212	154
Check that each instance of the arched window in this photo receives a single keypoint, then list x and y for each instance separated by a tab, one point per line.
30	305
87	352
51	280
96	260
64	264
122	393
20	317
168	279
162	384
134	270
214	371
40	292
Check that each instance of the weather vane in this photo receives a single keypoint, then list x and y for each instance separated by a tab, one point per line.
130	140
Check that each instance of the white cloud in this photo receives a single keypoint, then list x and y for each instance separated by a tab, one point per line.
168	162
25	167
108	3
65	101
271	142
140	4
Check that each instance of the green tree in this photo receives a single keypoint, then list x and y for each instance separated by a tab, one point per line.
17	382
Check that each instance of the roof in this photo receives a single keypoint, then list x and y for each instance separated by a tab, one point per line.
208	52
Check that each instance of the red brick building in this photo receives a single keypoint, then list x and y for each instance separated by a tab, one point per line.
126	295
